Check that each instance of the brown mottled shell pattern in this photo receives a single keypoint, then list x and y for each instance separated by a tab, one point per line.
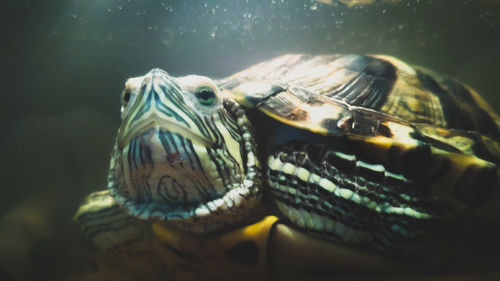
320	88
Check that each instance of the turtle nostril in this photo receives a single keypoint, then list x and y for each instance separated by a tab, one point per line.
158	71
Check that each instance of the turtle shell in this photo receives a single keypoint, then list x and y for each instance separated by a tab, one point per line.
308	91
407	145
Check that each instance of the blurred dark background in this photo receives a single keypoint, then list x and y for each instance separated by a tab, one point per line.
64	64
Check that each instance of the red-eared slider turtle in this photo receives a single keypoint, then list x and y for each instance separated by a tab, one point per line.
301	166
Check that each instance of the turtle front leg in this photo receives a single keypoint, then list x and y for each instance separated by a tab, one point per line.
338	195
107	223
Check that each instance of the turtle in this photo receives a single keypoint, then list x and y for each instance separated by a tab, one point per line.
300	166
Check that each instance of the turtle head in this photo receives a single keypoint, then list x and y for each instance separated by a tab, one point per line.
182	153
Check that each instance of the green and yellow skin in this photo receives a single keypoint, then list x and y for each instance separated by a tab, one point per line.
300	166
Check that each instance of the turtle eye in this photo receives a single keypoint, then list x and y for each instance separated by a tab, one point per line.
126	98
206	97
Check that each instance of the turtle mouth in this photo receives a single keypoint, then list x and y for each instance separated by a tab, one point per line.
125	135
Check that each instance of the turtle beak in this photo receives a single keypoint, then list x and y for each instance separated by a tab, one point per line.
143	114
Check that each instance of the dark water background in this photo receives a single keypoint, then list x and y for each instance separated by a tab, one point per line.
64	64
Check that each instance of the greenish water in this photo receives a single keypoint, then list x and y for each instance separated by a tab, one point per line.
64	64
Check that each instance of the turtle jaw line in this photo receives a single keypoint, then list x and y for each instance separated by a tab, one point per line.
140	127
